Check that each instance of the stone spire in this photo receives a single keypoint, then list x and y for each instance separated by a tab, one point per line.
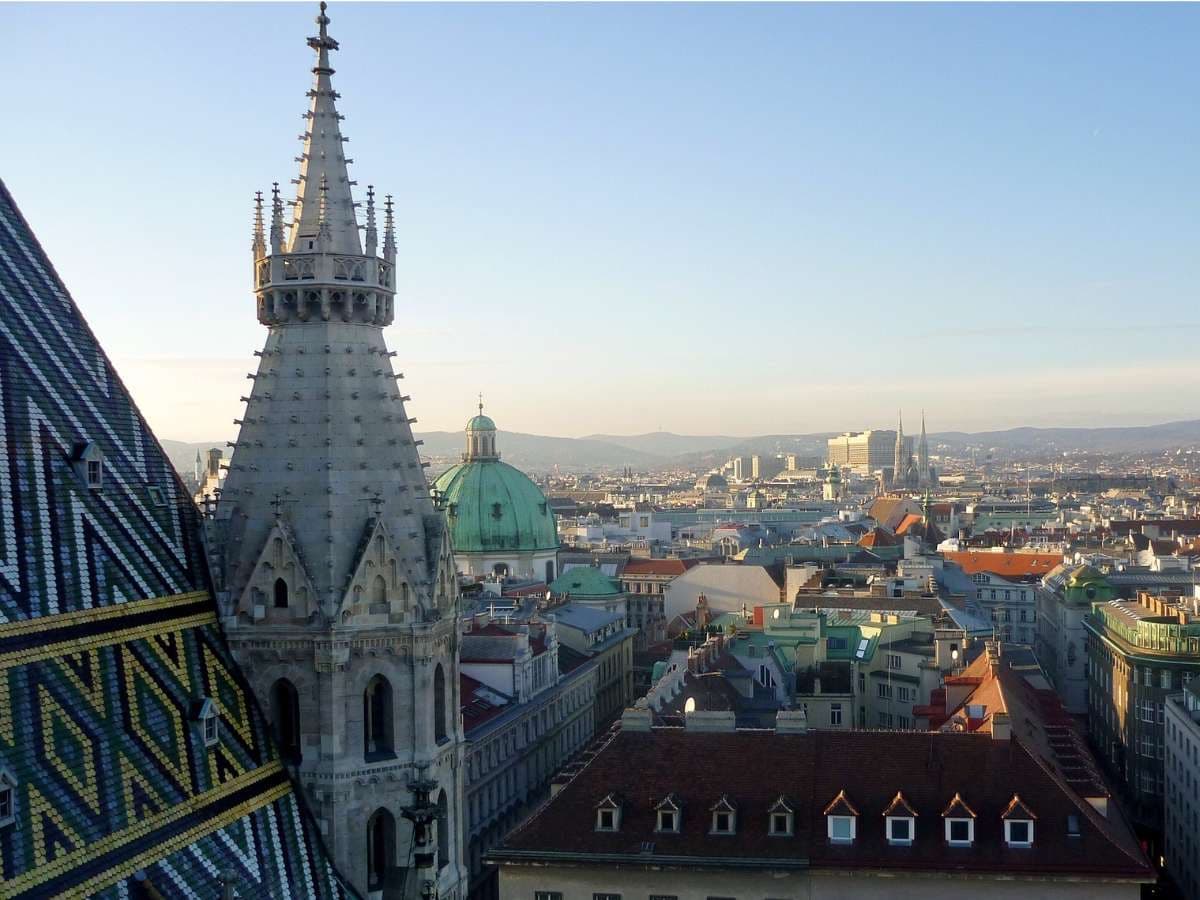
259	244
899	469
923	455
389	231
323	160
372	238
276	219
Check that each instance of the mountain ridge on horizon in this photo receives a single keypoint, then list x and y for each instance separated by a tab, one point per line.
658	448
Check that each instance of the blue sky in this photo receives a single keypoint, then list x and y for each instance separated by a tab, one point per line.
709	218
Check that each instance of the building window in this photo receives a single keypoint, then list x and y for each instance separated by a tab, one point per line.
381	848
439	704
205	713
1018	832
835	714
608	814
281	594
960	832
8	798
668	820
894	661
285	719
900	830
960	823
377	719
782	819
883	689
547	895
724	816
606	897
841	829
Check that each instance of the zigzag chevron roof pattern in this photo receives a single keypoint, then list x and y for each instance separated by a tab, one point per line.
109	643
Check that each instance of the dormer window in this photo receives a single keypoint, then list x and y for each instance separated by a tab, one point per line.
608	814
724	816
8	798
88	460
205	713
841	817
668	813
960	823
901	821
782	821
1018	823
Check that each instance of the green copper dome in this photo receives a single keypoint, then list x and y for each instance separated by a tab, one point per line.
586	583
491	506
481	423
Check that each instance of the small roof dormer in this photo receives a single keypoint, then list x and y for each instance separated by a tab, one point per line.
841	817
900	820
608	813
1018	821
960	822
668	813
781	821
724	816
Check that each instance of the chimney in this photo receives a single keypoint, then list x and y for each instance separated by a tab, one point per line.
710	721
636	719
1001	727
791	721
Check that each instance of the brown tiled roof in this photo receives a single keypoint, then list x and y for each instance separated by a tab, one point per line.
657	566
930	768
1006	565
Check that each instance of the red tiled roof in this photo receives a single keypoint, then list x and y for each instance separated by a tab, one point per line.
657	566
931	768
1006	565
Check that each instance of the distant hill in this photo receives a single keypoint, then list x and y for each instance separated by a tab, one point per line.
1129	439
540	453
666	444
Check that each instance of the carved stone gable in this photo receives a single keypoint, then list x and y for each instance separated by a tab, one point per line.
379	586
279	590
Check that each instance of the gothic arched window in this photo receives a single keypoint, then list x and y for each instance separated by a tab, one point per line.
381	848
443	831
439	704
285	719
379	593
377	719
281	594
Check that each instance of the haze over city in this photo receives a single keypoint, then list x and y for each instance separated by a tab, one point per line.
709	219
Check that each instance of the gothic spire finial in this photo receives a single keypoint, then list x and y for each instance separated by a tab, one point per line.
372	238
389	230
259	244
481	403
323	158
276	219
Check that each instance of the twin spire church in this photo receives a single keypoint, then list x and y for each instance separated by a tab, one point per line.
335	568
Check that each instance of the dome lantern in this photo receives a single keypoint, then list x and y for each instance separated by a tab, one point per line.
481	437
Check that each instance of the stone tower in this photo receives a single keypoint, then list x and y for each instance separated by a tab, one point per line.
923	479
336	571
900	462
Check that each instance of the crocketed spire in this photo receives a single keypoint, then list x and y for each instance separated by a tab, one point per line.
323	161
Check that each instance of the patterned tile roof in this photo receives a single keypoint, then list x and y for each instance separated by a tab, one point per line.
109	641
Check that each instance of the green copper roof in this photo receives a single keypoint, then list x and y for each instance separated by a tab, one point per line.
481	423
491	506
583	582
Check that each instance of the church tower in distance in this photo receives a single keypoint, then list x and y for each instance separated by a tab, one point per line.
336	573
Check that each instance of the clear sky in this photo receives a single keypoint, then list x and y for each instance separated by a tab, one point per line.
715	218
